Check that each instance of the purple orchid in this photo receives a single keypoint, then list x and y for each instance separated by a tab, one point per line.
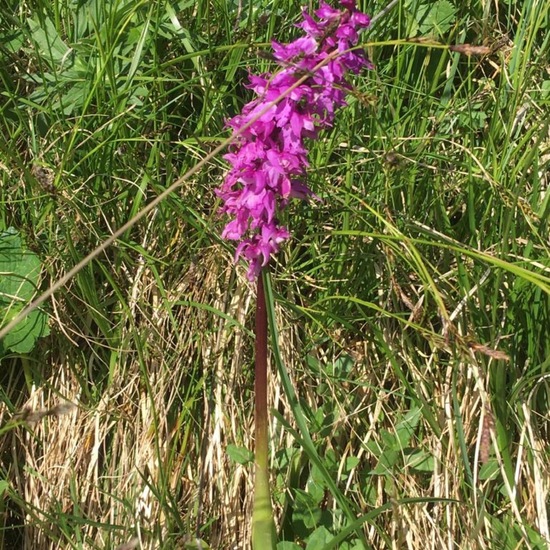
269	158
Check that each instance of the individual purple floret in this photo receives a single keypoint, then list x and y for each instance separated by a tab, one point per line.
269	158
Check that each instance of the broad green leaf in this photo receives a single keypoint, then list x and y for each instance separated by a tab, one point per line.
319	538
20	271
240	455
341	367
287	545
48	40
374	447
435	17
316	488
22	338
20	275
489	470
387	461
406	427
353	545
351	463
419	460
306	510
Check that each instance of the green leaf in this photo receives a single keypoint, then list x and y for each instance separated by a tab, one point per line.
387	461
389	439
287	545
489	470
306	511
48	40
316	485
419	460
22	338
436	17
319	538
196	544
4	486
374	447
240	455
20	270
342	367
351	463
353	545
405	429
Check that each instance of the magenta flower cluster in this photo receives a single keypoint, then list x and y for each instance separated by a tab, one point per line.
269	158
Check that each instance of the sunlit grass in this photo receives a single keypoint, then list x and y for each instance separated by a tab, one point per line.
410	382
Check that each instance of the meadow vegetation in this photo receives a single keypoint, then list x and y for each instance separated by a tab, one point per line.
410	374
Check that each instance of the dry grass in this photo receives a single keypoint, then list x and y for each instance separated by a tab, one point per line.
120	441
106	464
110	459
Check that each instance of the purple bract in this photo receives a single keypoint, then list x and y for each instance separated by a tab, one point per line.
269	158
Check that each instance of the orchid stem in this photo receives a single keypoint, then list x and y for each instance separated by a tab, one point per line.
263	526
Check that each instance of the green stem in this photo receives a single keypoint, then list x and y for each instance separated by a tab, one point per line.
263	526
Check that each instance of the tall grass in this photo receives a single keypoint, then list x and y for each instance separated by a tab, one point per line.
410	376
